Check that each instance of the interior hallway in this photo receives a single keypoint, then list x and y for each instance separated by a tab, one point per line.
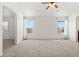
43	48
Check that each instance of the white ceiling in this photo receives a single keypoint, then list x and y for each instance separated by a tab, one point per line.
36	8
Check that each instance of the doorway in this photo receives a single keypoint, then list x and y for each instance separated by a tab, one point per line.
9	27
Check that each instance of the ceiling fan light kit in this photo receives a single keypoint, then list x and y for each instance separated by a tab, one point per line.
50	4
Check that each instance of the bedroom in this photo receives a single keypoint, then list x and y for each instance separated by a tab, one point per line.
36	24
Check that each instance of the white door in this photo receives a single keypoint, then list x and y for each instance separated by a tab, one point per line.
0	29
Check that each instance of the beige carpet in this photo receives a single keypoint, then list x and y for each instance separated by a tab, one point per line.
43	48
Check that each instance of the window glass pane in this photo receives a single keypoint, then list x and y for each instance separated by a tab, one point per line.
5	25
60	26
28	25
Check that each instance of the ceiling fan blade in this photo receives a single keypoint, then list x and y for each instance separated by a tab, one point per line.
56	6
47	7
45	2
52	2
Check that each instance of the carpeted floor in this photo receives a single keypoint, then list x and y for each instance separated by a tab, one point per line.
43	48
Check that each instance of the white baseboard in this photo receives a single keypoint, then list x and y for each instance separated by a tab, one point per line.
45	38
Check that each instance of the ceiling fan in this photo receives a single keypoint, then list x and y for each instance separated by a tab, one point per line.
50	4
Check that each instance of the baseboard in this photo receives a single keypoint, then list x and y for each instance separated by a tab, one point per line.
8	39
45	39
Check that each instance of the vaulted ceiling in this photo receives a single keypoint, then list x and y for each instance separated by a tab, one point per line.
36	8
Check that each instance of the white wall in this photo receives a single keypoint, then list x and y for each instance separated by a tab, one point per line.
19	28
77	24
45	27
66	32
72	28
77	19
0	29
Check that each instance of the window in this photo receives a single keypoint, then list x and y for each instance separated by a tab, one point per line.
60	26
5	25
28	25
